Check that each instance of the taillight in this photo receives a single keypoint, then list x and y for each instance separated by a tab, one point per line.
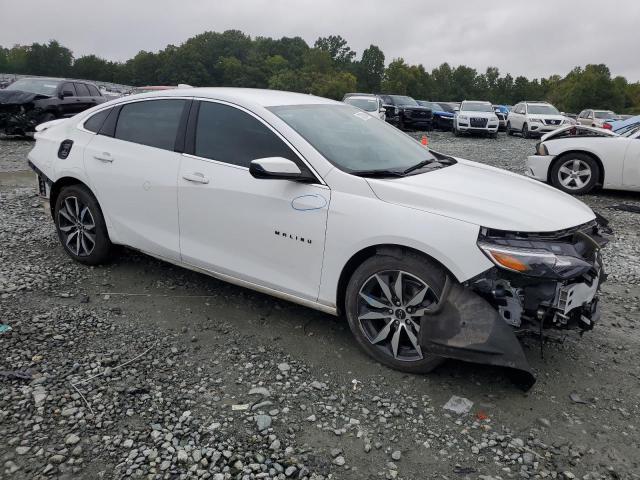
65	149
607	126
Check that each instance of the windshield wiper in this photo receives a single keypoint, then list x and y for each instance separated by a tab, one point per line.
419	165
377	173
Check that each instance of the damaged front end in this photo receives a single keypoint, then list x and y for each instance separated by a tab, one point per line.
19	112
540	281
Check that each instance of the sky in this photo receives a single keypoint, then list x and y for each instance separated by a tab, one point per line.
535	38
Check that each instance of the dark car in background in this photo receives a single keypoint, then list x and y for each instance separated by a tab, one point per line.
442	117
30	101
502	112
406	114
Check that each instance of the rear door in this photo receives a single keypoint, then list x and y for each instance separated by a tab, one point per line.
133	165
84	99
266	232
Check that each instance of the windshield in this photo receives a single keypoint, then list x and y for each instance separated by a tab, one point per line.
432	105
476	107
352	140
401	100
447	108
368	104
35	85
543	109
605	114
632	131
625	128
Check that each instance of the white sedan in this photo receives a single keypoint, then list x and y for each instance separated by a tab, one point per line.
578	159
316	202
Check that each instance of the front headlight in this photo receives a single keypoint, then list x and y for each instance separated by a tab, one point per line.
463	117
534	262
535	120
541	149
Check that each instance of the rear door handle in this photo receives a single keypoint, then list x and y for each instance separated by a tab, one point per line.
195	177
104	157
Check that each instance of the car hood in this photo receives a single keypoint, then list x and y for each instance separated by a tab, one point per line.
485	196
573	130
546	117
19	97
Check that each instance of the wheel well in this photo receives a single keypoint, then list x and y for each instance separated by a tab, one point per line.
356	260
588	154
58	186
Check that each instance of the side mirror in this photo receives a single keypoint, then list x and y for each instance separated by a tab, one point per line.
278	168
67	93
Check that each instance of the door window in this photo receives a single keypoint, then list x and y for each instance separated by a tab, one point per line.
153	122
82	90
93	91
229	135
68	88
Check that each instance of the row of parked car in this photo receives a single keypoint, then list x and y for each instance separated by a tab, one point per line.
527	118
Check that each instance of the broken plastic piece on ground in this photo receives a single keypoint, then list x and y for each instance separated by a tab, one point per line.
4	328
481	415
243	406
16	374
575	398
625	207
459	405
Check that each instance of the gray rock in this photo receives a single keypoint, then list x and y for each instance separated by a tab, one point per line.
71	439
339	460
396	455
262	421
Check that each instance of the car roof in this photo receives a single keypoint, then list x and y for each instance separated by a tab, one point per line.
476	101
369	97
243	96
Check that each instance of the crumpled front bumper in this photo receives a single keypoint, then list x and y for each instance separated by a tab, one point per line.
480	321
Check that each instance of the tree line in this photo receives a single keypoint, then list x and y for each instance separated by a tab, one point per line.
329	68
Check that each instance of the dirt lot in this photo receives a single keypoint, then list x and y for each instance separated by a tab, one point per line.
143	369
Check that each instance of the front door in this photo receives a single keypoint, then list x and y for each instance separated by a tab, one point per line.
267	232
135	175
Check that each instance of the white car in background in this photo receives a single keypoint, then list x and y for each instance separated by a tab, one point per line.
578	159
534	119
476	117
314	201
372	104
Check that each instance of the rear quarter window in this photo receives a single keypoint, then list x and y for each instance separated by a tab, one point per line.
95	122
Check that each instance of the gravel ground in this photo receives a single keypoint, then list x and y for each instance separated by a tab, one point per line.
142	369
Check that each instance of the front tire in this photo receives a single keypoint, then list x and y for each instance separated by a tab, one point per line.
575	173
386	300
80	225
509	131
525	131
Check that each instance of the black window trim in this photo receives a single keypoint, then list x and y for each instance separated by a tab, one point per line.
190	136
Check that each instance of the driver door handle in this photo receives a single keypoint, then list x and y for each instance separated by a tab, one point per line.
195	177
104	157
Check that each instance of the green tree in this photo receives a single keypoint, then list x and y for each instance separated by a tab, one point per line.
370	70
337	48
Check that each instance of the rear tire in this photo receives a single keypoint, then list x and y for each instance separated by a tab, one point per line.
575	173
80	225
387	326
